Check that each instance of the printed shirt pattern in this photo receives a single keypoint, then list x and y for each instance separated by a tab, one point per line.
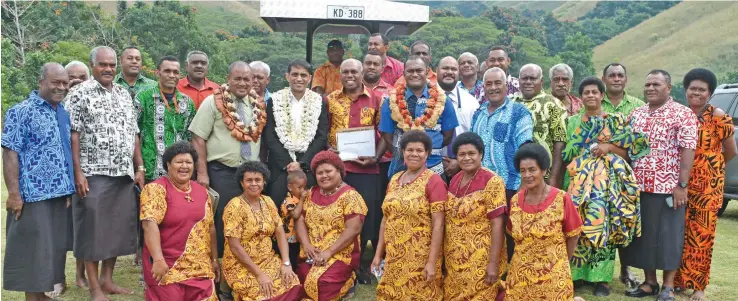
41	137
107	123
503	132
345	114
548	120
393	70
475	91
669	128
513	89
161	126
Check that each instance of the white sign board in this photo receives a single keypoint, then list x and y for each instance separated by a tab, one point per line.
346	12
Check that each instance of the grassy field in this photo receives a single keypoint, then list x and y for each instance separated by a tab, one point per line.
722	286
688	35
572	10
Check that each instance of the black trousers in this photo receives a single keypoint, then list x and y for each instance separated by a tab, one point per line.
223	180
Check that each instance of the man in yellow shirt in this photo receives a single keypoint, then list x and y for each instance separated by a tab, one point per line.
327	77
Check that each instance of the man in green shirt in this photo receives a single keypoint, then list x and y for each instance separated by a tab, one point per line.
226	133
616	100
548	119
164	116
130	75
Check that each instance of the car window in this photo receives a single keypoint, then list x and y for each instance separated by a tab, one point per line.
724	102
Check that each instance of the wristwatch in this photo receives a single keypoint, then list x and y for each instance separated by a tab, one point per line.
683	184
287	263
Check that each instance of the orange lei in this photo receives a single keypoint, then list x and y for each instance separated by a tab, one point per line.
433	109
224	103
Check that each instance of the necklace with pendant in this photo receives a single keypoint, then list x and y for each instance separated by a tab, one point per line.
323	192
186	191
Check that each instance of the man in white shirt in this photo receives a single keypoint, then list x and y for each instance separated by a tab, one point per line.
296	129
464	104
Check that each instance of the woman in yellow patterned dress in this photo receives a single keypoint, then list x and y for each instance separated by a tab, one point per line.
545	225
475	227
328	227
250	221
179	251
412	228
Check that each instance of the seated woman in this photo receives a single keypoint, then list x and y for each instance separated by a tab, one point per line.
545	225
180	255
602	185
250	221
329	222
475	226
412	227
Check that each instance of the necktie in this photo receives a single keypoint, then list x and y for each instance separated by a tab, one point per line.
449	151
245	146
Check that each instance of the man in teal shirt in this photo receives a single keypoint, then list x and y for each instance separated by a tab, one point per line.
616	100
130	75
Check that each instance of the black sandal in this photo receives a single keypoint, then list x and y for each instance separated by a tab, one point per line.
639	293
664	295
601	290
629	280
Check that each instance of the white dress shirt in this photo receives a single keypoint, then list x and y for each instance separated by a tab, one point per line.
465	105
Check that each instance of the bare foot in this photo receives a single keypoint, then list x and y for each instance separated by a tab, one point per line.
82	283
113	289
59	289
697	296
98	295
137	259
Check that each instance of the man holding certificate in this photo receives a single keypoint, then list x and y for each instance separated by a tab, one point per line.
354	117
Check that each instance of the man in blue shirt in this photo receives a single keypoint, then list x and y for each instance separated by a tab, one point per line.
38	173
504	126
418	92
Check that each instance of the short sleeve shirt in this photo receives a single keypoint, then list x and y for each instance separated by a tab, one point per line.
40	134
197	95
393	70
548	120
142	83
221	146
108	125
328	76
625	107
503	132
446	122
345	114
669	128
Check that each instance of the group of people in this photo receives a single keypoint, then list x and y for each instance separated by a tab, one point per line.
483	186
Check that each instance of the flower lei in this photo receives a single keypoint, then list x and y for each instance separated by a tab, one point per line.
296	139
225	103
433	109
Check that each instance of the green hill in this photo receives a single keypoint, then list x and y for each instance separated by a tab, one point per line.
688	35
572	10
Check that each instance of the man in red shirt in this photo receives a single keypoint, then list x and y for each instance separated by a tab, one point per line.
355	106
393	69
195	84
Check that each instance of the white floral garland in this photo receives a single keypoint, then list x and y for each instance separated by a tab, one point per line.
296	140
